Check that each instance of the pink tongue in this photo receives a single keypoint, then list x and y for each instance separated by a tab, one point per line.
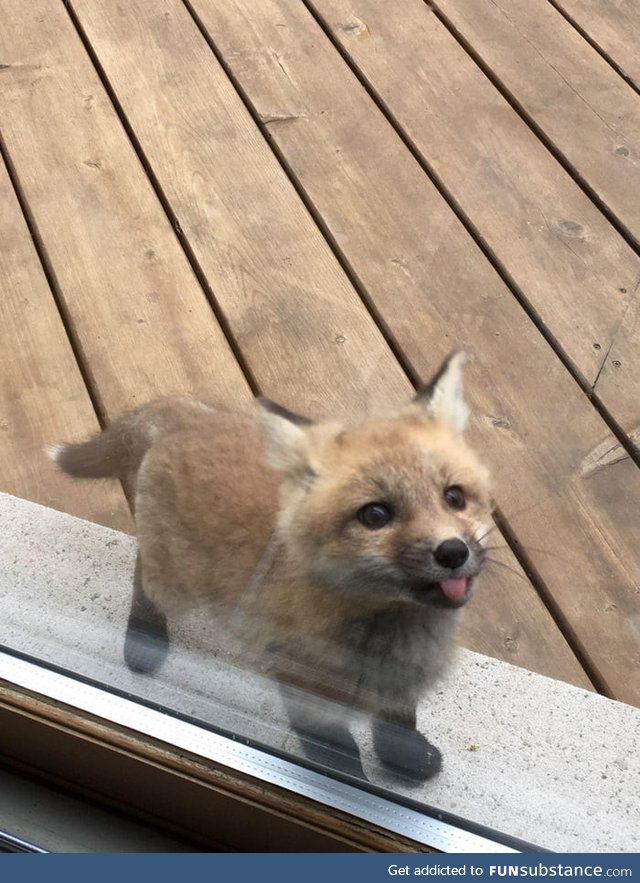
454	589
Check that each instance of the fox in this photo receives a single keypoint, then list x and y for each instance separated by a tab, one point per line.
342	554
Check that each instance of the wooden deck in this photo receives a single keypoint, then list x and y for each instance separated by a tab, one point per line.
316	201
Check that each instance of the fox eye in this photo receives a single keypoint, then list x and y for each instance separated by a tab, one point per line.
454	497
375	515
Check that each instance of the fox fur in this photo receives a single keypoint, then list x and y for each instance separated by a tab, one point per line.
269	519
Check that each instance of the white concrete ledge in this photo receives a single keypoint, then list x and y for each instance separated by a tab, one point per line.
526	755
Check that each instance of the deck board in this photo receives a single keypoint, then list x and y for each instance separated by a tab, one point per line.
552	241
42	393
277	225
426	277
613	27
141	319
298	321
588	112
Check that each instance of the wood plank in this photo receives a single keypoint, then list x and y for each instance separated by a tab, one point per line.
276	245
432	286
298	321
613	27
142	321
578	275
42	394
582	105
566	87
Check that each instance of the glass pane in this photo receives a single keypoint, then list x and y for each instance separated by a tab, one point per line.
503	732
317	204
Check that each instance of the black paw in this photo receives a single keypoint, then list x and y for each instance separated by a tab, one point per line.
406	752
332	746
146	645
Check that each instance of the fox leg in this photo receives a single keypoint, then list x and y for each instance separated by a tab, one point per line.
402	749
147	638
322	730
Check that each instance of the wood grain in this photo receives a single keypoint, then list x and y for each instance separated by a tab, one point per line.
576	98
613	27
576	272
433	289
42	394
321	349
296	318
142	321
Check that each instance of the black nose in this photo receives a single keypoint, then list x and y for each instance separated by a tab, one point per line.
451	553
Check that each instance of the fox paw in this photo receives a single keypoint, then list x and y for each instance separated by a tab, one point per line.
406	752
334	747
145	646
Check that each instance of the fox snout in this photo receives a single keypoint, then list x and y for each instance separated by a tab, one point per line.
451	553
442	572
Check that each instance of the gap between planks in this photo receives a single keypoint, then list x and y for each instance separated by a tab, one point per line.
354	279
48	396
182	239
555	151
76	346
585	386
628	79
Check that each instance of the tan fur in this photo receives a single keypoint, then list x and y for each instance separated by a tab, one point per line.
211	512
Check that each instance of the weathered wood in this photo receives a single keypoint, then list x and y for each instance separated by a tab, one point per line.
573	95
143	324
576	272
613	27
324	347
299	323
42	394
433	288
587	111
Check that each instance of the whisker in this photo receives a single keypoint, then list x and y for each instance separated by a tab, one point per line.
509	517
507	567
529	549
485	534
543	552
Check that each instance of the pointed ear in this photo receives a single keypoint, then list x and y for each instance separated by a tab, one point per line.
443	397
286	439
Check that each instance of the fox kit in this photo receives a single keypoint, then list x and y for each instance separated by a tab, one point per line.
349	551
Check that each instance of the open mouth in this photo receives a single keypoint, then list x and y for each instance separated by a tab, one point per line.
455	589
452	592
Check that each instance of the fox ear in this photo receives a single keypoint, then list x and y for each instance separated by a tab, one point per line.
286	439
443	397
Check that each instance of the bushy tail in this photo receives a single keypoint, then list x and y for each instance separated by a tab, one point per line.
114	453
118	451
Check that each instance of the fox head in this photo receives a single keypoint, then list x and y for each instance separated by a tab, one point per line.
396	505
